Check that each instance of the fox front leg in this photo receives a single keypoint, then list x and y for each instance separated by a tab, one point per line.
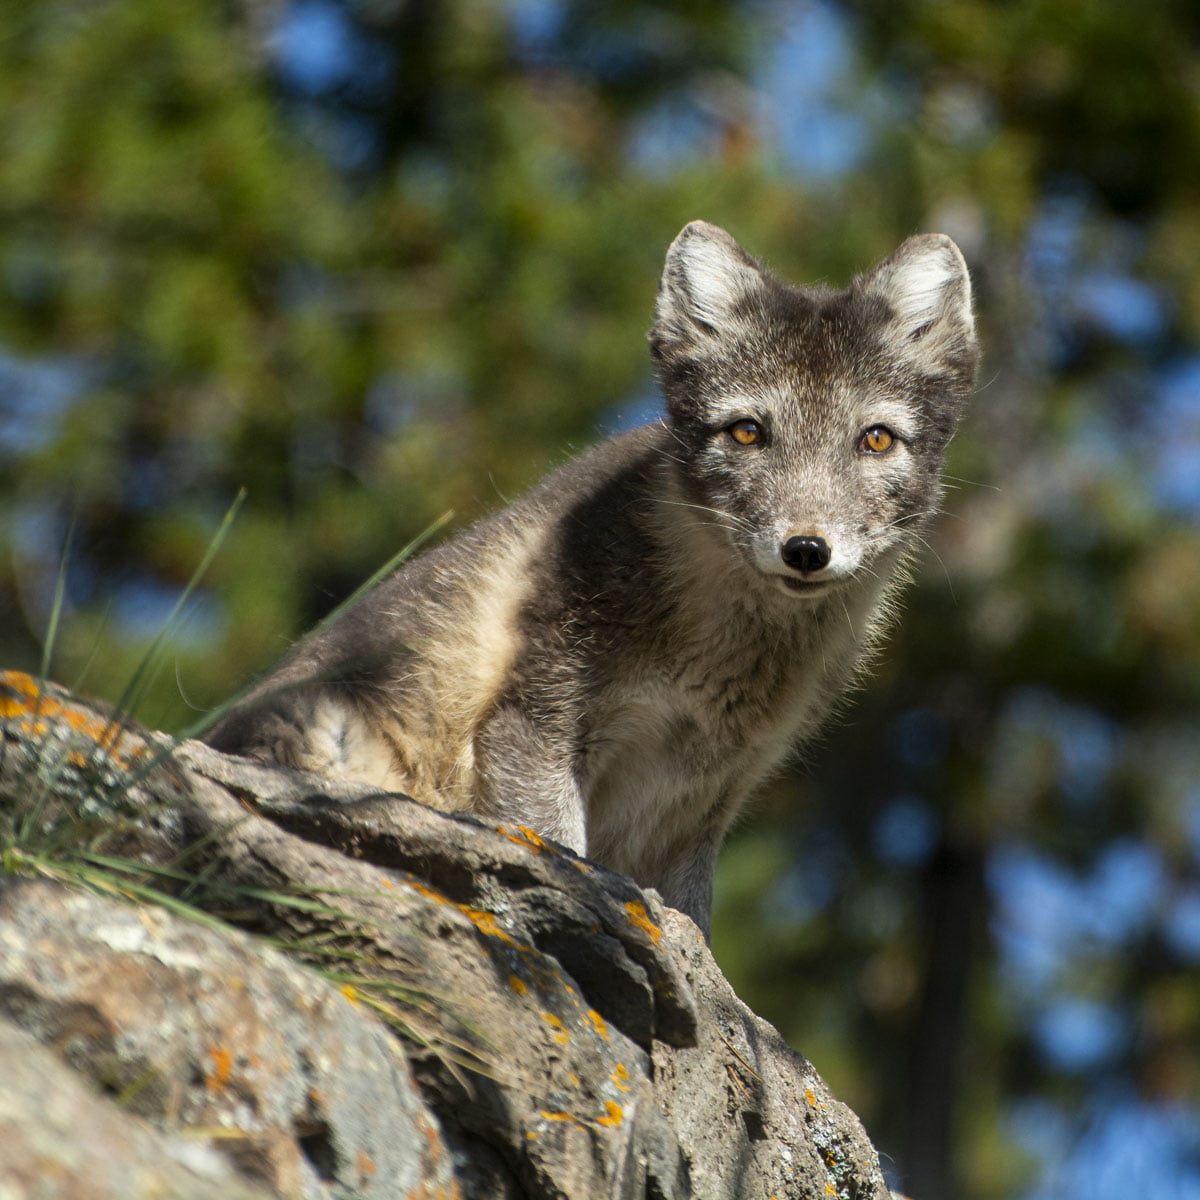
687	882
527	778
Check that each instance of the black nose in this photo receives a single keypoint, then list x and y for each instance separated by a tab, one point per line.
807	553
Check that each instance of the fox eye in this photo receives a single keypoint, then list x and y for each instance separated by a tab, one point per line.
746	433
877	440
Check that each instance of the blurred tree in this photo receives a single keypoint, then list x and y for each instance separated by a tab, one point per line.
373	260
313	273
1015	790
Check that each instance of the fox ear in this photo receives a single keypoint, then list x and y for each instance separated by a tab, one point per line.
705	276
926	285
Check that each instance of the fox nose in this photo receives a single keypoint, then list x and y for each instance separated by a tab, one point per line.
807	552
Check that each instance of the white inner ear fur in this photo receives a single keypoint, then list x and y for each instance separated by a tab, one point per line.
706	273
928	289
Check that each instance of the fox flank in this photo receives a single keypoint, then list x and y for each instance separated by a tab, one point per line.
620	657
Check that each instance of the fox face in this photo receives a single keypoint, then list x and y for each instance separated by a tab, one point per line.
812	423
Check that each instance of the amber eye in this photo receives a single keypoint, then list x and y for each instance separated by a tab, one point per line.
746	433
877	440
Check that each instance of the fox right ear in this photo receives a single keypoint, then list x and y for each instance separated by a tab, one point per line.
928	290
705	277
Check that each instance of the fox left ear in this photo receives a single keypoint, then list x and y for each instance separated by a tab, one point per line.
926	285
705	277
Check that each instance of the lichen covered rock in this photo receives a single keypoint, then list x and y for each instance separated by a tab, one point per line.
499	1019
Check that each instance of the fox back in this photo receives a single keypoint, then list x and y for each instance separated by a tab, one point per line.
617	659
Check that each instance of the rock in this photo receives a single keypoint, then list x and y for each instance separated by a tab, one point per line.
209	1033
750	1114
499	1019
59	1138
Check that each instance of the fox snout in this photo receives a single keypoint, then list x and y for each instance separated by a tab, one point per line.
803	560
806	552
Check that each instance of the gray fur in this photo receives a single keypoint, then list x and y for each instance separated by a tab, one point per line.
617	659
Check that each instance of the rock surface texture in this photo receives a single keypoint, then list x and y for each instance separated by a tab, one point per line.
219	979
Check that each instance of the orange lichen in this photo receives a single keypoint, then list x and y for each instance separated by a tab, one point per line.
486	922
810	1097
483	920
441	1192
534	841
365	1163
422	1190
620	1078
18	684
423	889
641	919
531	838
222	1068
598	1023
22	700
561	1116
616	1114
432	1137
562	1036
518	985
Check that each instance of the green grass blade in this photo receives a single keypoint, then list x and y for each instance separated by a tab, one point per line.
388	567
136	685
105	620
143	673
60	588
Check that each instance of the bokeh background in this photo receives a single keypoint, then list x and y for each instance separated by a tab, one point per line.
376	259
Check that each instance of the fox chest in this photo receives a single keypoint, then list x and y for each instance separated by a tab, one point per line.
671	760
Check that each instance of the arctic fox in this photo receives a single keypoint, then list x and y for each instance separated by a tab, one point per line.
618	658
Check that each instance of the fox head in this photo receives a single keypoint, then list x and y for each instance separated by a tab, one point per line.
812	423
